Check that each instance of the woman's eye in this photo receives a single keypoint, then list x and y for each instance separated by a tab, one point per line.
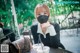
38	14
44	13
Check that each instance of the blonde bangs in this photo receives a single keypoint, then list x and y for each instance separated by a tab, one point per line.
41	5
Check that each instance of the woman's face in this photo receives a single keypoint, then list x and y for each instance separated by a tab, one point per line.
42	15
41	11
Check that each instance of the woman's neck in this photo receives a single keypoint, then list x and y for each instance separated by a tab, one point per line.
44	26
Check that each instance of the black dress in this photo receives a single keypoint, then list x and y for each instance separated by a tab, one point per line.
51	41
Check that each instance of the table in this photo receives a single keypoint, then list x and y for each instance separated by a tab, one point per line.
59	51
54	51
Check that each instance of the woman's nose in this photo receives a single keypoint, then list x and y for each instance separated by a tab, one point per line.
42	13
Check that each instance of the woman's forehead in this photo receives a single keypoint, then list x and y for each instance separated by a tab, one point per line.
40	10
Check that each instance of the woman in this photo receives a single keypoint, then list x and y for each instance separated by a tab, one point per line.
48	32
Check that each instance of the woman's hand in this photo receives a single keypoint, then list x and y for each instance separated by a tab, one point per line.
45	25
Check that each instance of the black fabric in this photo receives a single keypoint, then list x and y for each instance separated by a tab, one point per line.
79	23
42	19
12	48
11	36
51	41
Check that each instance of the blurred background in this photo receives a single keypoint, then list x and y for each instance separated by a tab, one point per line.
19	14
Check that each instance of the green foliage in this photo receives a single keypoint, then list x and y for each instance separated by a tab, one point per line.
25	9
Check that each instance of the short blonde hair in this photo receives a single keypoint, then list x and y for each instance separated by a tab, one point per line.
41	5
